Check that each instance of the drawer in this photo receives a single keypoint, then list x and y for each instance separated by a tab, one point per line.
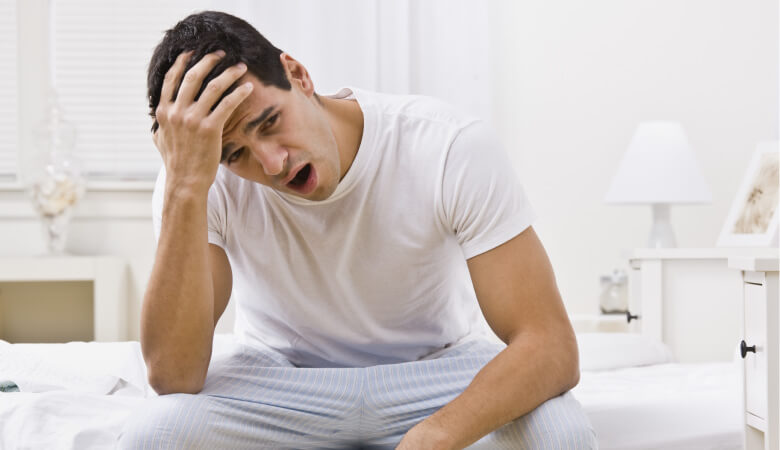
756	363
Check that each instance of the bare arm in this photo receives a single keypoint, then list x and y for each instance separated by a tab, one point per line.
187	293
191	280
518	295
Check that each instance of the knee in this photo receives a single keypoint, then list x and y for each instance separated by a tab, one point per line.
575	436
556	424
575	430
162	422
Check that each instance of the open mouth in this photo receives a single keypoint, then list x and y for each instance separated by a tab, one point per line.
305	181
301	177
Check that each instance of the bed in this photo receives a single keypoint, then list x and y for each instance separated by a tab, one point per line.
637	397
78	395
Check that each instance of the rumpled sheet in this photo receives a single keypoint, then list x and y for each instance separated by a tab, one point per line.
61	419
76	395
86	367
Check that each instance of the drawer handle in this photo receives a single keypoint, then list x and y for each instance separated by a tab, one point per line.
630	317
744	349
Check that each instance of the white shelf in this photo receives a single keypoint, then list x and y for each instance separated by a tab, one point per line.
106	273
52	268
756	264
703	253
94	186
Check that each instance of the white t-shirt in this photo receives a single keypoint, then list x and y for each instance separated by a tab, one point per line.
376	273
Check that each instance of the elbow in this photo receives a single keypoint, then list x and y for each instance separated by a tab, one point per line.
563	358
170	372
174	383
574	379
559	353
568	370
570	363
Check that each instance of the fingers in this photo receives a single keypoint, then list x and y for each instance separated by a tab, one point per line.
190	84
173	77
186	110
229	104
218	86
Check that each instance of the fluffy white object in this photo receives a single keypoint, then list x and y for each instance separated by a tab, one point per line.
607	351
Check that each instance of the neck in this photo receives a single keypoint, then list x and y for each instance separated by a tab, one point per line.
346	121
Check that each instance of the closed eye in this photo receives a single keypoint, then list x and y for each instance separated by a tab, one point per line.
270	122
235	155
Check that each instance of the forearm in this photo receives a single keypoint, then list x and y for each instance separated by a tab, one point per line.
178	309
532	369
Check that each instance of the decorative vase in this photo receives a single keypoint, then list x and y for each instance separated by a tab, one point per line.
55	182
54	193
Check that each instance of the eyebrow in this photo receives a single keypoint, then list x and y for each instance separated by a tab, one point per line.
259	120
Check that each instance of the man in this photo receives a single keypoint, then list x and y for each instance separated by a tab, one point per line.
348	229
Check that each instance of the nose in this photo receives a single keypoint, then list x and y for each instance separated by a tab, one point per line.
271	156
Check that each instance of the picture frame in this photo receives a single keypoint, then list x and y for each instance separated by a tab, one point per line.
754	214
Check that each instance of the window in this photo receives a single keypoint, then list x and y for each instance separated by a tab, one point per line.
8	90
100	54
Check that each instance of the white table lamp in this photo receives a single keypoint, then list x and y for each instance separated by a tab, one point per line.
659	168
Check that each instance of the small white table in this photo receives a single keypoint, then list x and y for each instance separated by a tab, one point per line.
109	286
760	350
685	298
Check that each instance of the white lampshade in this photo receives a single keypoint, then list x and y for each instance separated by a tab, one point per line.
659	167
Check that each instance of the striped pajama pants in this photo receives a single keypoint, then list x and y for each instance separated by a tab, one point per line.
256	399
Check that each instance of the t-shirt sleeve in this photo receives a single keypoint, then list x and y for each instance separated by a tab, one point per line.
215	211
483	201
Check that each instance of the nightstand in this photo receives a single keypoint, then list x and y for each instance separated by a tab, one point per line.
760	350
104	290
685	298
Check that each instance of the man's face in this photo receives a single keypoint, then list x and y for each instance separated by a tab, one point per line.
282	139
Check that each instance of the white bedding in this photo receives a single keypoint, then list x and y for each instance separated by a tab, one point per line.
665	406
75	395
64	402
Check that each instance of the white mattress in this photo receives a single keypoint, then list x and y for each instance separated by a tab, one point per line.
79	395
665	406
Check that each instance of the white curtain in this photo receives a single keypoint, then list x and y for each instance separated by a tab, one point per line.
430	47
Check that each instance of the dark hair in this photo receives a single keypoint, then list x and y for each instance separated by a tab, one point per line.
207	32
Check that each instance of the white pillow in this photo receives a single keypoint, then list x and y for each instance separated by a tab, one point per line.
607	351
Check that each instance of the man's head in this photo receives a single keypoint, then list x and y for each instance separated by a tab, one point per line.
280	135
209	31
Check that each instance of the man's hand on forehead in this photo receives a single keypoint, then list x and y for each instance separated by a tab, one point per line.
222	64
191	117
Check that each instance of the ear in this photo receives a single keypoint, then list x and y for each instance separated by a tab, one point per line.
297	74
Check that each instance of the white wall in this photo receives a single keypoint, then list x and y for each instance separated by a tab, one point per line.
571	82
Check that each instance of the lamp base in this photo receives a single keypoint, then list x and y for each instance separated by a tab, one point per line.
661	234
